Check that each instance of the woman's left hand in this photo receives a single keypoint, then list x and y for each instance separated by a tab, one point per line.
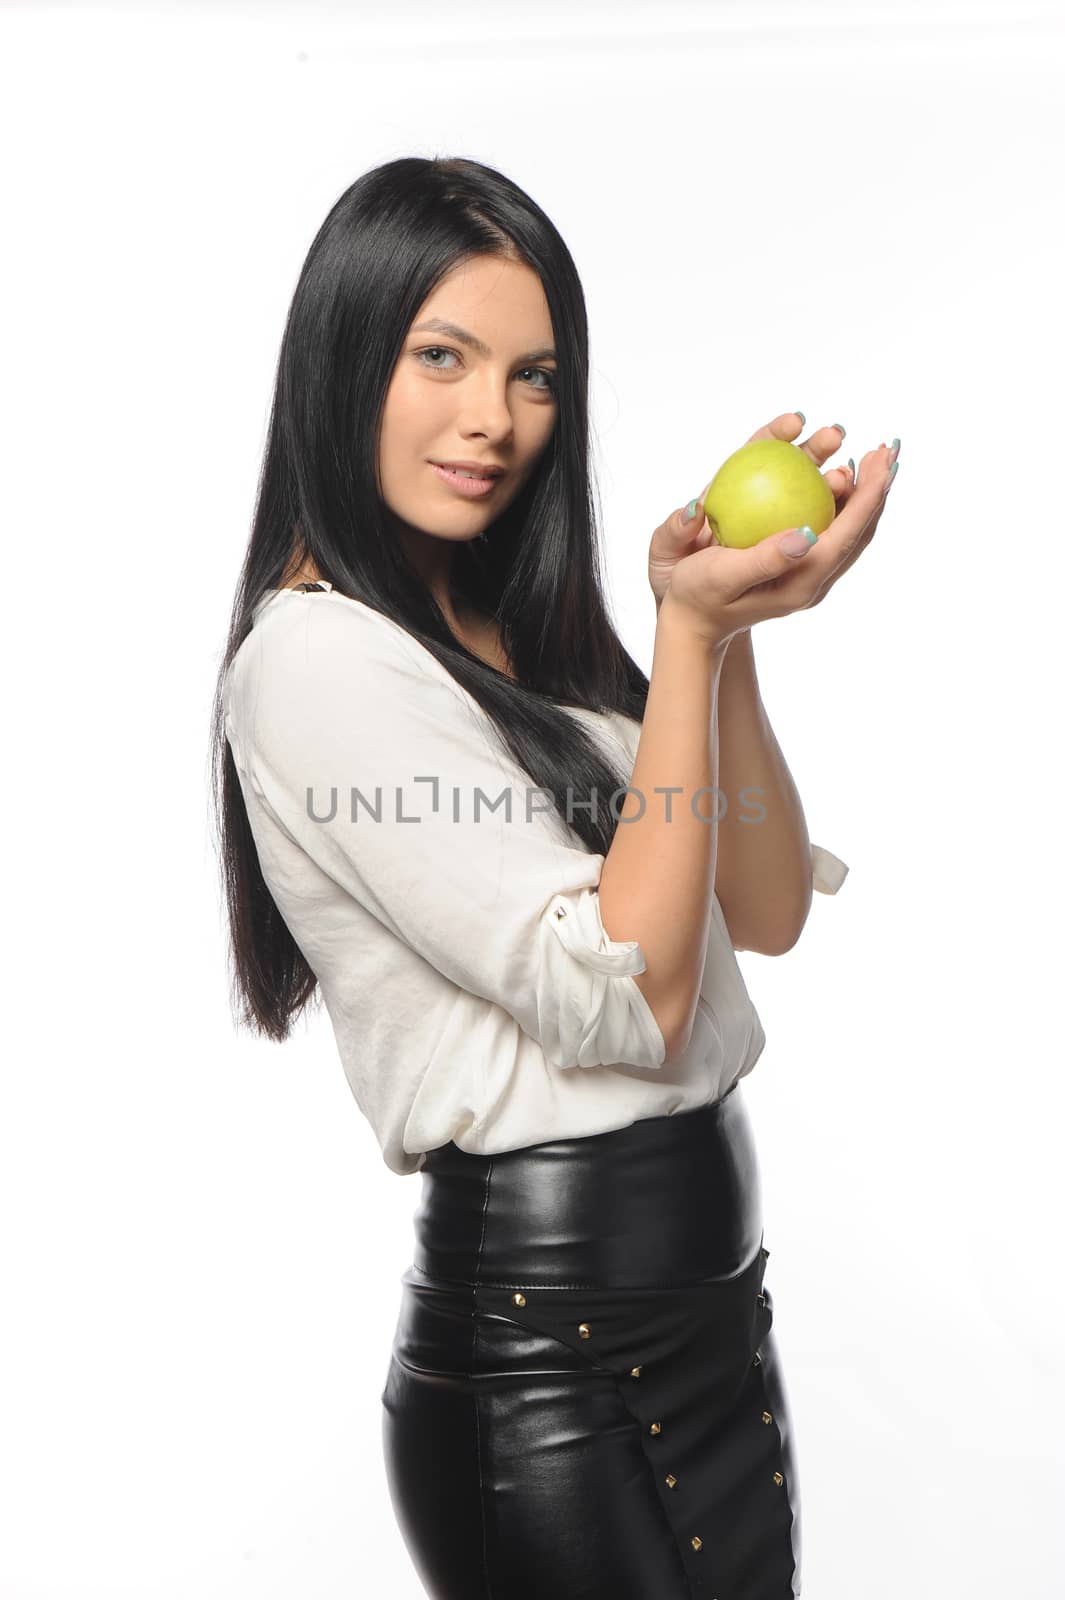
669	545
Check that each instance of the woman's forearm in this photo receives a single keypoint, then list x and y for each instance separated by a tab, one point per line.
657	880
764	878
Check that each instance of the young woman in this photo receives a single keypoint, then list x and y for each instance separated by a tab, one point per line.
442	784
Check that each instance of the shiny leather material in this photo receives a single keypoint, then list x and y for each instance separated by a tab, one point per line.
584	1398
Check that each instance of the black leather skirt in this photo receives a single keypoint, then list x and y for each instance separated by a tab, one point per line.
584	1398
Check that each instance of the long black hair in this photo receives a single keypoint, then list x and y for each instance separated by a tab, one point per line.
381	251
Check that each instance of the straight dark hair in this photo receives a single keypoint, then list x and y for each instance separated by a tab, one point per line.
381	251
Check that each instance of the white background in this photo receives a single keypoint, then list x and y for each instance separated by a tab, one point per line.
851	209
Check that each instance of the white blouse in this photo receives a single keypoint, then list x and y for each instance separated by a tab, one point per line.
474	993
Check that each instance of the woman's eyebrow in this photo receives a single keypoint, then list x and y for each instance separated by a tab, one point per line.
463	335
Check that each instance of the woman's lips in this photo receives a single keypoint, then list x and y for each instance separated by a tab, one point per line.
472	488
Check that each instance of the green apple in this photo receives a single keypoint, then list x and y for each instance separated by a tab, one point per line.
763	488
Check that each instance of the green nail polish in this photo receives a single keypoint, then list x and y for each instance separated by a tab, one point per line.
690	509
842	429
801	418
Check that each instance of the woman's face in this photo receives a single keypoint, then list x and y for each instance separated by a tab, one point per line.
448	401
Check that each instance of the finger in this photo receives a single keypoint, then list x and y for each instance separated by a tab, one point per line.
874	464
863	502
677	535
824	443
869	501
787	426
705	533
841	481
819	446
867	533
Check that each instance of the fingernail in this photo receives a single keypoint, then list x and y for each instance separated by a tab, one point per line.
797	541
801	418
890	479
850	463
689	510
842	429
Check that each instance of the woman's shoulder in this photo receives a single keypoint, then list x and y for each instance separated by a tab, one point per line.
320	655
318	621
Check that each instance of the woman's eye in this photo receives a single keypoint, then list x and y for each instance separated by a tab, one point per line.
440	350
435	350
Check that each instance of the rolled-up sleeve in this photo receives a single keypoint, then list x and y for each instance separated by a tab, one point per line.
602	1017
829	871
392	780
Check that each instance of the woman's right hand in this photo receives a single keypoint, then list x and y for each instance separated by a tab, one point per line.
720	591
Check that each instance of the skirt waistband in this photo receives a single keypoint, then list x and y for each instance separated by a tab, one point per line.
668	1200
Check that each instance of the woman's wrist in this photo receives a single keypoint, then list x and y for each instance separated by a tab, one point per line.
676	617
